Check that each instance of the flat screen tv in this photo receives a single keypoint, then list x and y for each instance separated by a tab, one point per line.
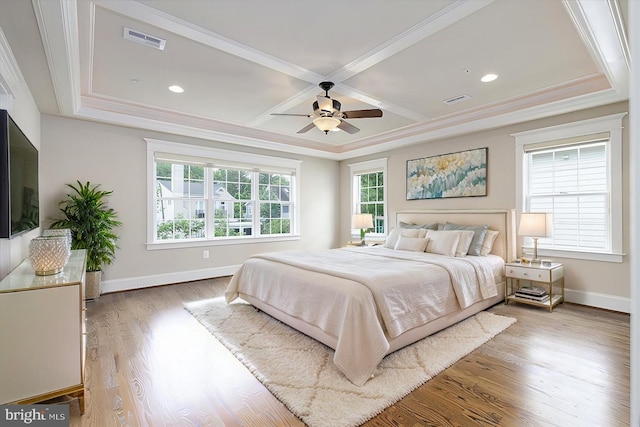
19	210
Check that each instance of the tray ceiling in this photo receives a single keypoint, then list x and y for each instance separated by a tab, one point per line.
241	61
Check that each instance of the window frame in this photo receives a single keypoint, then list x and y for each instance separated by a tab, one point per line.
210	158
361	168
556	136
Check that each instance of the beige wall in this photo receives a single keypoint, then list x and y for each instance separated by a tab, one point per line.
602	284
115	157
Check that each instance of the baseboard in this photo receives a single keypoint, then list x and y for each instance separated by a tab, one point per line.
128	284
595	299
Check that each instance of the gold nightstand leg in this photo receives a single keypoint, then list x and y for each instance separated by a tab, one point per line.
506	290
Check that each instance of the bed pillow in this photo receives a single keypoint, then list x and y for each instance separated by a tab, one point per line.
487	244
466	237
395	234
479	232
413	244
442	242
433	226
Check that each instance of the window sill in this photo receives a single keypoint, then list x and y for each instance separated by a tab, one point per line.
219	242
591	256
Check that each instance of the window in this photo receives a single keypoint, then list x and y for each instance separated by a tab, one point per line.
180	201
574	172
207	195
369	193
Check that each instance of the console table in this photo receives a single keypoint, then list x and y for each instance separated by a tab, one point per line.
42	331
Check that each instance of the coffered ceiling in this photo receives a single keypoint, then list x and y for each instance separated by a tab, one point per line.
240	61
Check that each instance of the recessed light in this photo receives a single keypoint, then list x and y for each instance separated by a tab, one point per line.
488	78
176	89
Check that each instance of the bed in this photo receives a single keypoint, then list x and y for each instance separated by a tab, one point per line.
367	302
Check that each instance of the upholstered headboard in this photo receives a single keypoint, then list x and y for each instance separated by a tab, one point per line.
497	219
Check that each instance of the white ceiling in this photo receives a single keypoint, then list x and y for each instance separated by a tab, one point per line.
241	61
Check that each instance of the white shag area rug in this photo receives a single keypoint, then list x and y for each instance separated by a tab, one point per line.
300	372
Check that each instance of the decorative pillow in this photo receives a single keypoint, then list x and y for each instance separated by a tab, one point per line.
433	226
395	234
478	238
487	245
466	236
442	242
413	244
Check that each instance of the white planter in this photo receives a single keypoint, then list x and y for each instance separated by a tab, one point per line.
92	284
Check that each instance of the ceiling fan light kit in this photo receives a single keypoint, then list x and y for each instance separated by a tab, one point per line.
328	116
326	123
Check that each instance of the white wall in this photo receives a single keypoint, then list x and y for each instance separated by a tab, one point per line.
115	157
601	284
16	98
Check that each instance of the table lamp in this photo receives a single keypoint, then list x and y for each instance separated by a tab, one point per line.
363	221
535	225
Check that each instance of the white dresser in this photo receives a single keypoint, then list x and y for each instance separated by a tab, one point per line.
42	331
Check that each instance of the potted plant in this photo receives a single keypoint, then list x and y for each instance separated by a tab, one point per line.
91	223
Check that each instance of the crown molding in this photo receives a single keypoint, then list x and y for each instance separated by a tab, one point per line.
58	24
596	22
600	25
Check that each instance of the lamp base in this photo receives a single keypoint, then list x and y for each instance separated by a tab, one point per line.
535	259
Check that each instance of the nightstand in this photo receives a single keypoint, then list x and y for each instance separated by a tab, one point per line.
550	277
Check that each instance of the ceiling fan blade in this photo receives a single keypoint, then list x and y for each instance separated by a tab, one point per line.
348	127
307	128
359	114
289	114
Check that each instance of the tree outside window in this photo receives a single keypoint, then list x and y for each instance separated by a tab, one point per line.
369	194
372	198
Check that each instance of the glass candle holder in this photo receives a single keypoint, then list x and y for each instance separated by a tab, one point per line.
49	254
64	232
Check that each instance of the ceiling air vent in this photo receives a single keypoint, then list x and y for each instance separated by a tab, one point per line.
456	99
145	39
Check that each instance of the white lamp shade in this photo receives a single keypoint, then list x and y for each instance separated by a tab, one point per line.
362	221
538	224
326	123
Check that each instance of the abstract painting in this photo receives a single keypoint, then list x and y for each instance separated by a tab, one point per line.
461	174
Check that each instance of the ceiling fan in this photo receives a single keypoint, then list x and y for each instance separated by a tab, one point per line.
327	114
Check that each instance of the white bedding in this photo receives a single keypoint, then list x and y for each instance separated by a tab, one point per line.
366	296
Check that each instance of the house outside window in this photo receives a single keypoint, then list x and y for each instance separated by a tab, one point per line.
574	171
197	200
369	194
179	201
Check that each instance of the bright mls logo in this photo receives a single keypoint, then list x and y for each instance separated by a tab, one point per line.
34	415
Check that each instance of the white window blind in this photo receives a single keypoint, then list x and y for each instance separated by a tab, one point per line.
572	182
574	171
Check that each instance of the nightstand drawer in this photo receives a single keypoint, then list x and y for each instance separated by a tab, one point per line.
529	274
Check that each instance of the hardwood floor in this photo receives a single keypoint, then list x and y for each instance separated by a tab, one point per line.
150	363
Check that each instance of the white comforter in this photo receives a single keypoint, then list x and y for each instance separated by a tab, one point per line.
363	295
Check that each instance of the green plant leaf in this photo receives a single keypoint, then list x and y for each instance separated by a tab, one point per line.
91	223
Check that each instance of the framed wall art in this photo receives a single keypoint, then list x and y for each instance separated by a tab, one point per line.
461	174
